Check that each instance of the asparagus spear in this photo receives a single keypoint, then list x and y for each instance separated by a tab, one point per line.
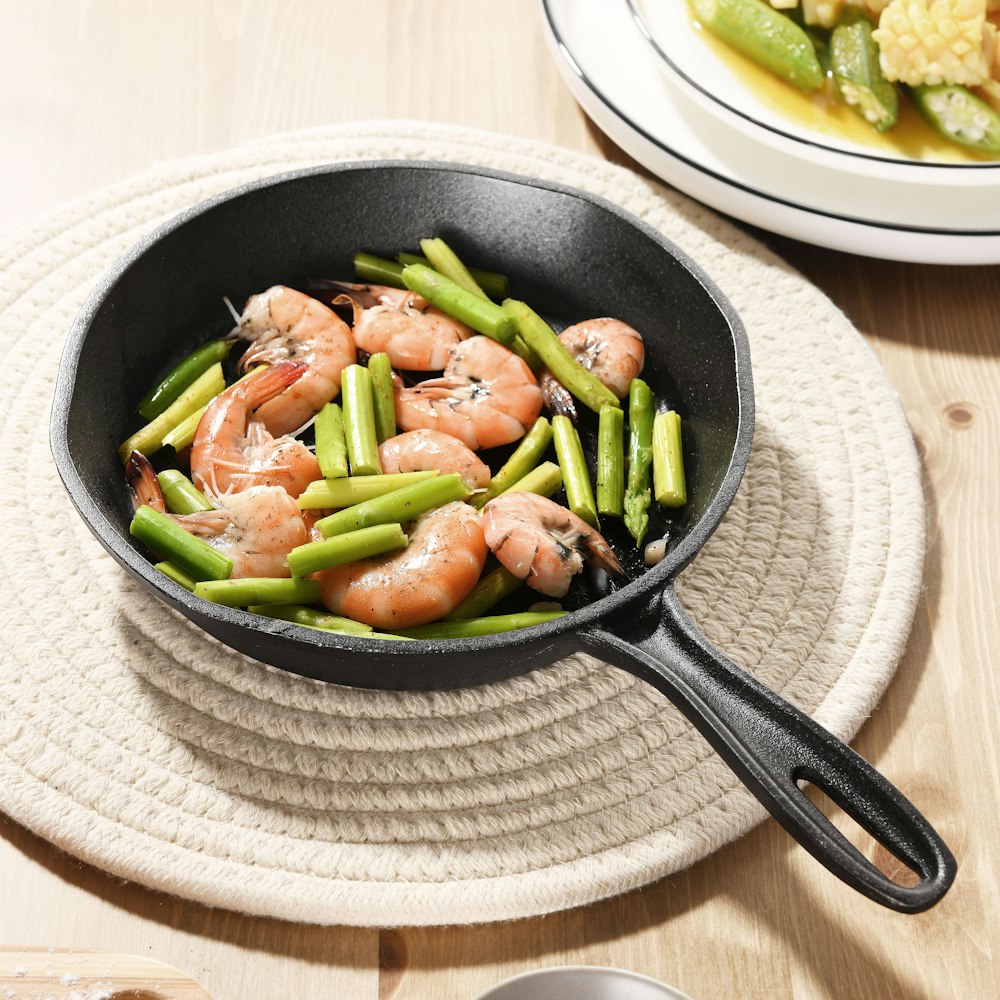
610	461
378	271
346	548
149	439
177	575
189	554
541	338
401	505
258	590
301	614
490	625
668	461
320	620
573	464
495	285
359	421
445	261
180	378
544	480
490	590
483	316
640	454
180	494
380	369
329	493
331	445
524	458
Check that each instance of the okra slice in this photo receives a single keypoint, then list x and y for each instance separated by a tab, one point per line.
960	116
768	37
858	76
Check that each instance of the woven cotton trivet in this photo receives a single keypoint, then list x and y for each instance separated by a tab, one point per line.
134	741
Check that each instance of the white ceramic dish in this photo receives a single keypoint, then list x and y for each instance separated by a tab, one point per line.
581	982
620	81
718	86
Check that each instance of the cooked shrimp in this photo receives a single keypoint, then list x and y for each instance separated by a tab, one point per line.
414	334
543	543
284	324
233	450
418	584
610	349
256	529
415	451
486	397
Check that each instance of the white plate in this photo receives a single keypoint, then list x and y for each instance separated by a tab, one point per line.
620	82
804	124
581	982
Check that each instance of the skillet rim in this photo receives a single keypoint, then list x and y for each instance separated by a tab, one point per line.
552	634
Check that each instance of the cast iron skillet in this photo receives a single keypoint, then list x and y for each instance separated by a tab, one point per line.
572	256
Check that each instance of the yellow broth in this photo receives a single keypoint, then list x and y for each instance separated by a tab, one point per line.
824	113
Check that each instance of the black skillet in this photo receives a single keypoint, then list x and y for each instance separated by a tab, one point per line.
572	256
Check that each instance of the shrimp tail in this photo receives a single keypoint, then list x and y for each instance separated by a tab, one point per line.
558	399
143	484
274	380
601	554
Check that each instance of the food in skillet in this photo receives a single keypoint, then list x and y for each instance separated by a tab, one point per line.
942	55
392	518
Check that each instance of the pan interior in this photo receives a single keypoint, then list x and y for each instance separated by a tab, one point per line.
568	256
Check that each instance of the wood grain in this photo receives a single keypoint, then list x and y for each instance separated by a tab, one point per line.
93	92
67	974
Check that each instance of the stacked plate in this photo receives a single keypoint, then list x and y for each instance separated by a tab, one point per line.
647	77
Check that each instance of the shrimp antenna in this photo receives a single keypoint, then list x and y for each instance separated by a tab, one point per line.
237	318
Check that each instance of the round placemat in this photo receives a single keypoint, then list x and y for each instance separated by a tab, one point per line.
139	744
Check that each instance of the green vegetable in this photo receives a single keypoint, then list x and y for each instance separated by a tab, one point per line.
331	445
182	377
323	621
149	439
576	476
541	338
611	461
359	421
854	63
544	480
177	575
259	590
190	555
493	284
300	614
445	261
378	271
380	369
960	116
668	461
483	316
640	455
180	494
769	38
480	626
524	458
490	590
401	505
346	548
329	493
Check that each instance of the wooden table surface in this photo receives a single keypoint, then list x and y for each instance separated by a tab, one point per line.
93	92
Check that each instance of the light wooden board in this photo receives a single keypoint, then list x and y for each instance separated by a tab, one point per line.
93	92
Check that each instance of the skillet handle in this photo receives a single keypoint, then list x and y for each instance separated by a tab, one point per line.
770	745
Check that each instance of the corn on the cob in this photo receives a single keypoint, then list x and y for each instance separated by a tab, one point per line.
934	42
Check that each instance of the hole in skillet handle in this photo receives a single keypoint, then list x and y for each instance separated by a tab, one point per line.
772	746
